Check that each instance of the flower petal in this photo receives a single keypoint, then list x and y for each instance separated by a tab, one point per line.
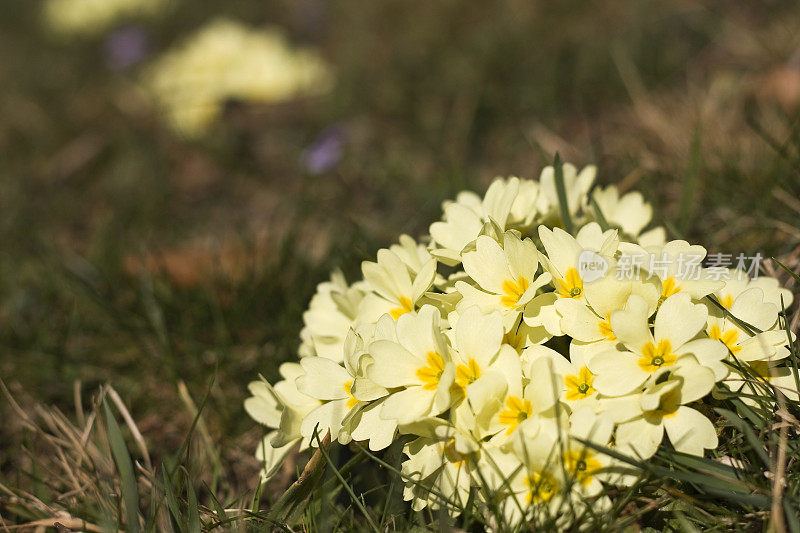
639	438
690	432
479	335
616	373
578	321
393	365
407	405
421	334
323	380
487	265
263	406
709	353
370	426
522	256
679	320
630	324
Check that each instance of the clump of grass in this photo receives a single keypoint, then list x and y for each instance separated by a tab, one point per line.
94	472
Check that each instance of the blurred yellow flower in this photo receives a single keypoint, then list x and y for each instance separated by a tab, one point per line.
228	61
92	17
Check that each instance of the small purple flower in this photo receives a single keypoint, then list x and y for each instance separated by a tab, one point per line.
125	47
326	150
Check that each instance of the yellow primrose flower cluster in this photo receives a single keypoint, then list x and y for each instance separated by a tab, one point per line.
506	347
227	61
92	17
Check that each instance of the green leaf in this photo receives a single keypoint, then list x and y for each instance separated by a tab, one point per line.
561	191
689	195
685	524
290	506
218	508
187	441
756	445
792	515
794	274
194	515
356	500
717	486
172	501
122	458
793	350
598	213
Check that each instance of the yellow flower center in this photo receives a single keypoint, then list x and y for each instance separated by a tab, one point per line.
513	291
580	386
605	329
669	287
406	306
582	465
571	286
351	402
518	410
432	371
542	486
466	374
727	302
727	337
655	357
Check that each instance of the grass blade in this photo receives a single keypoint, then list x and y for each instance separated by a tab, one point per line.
688	198
794	274
130	493
598	213
194	523
755	444
172	501
356	500
561	191
215	503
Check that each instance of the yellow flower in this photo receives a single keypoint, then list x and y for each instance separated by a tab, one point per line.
228	61
647	354
468	373
513	291
394	287
582	464
571	286
430	373
542	486
518	410
729	337
351	401
505	277
412	359
580	386
669	287
655	357
93	17
405	307
606	329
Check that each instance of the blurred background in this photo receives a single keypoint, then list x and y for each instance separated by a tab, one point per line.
176	176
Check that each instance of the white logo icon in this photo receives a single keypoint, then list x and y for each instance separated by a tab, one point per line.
591	266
